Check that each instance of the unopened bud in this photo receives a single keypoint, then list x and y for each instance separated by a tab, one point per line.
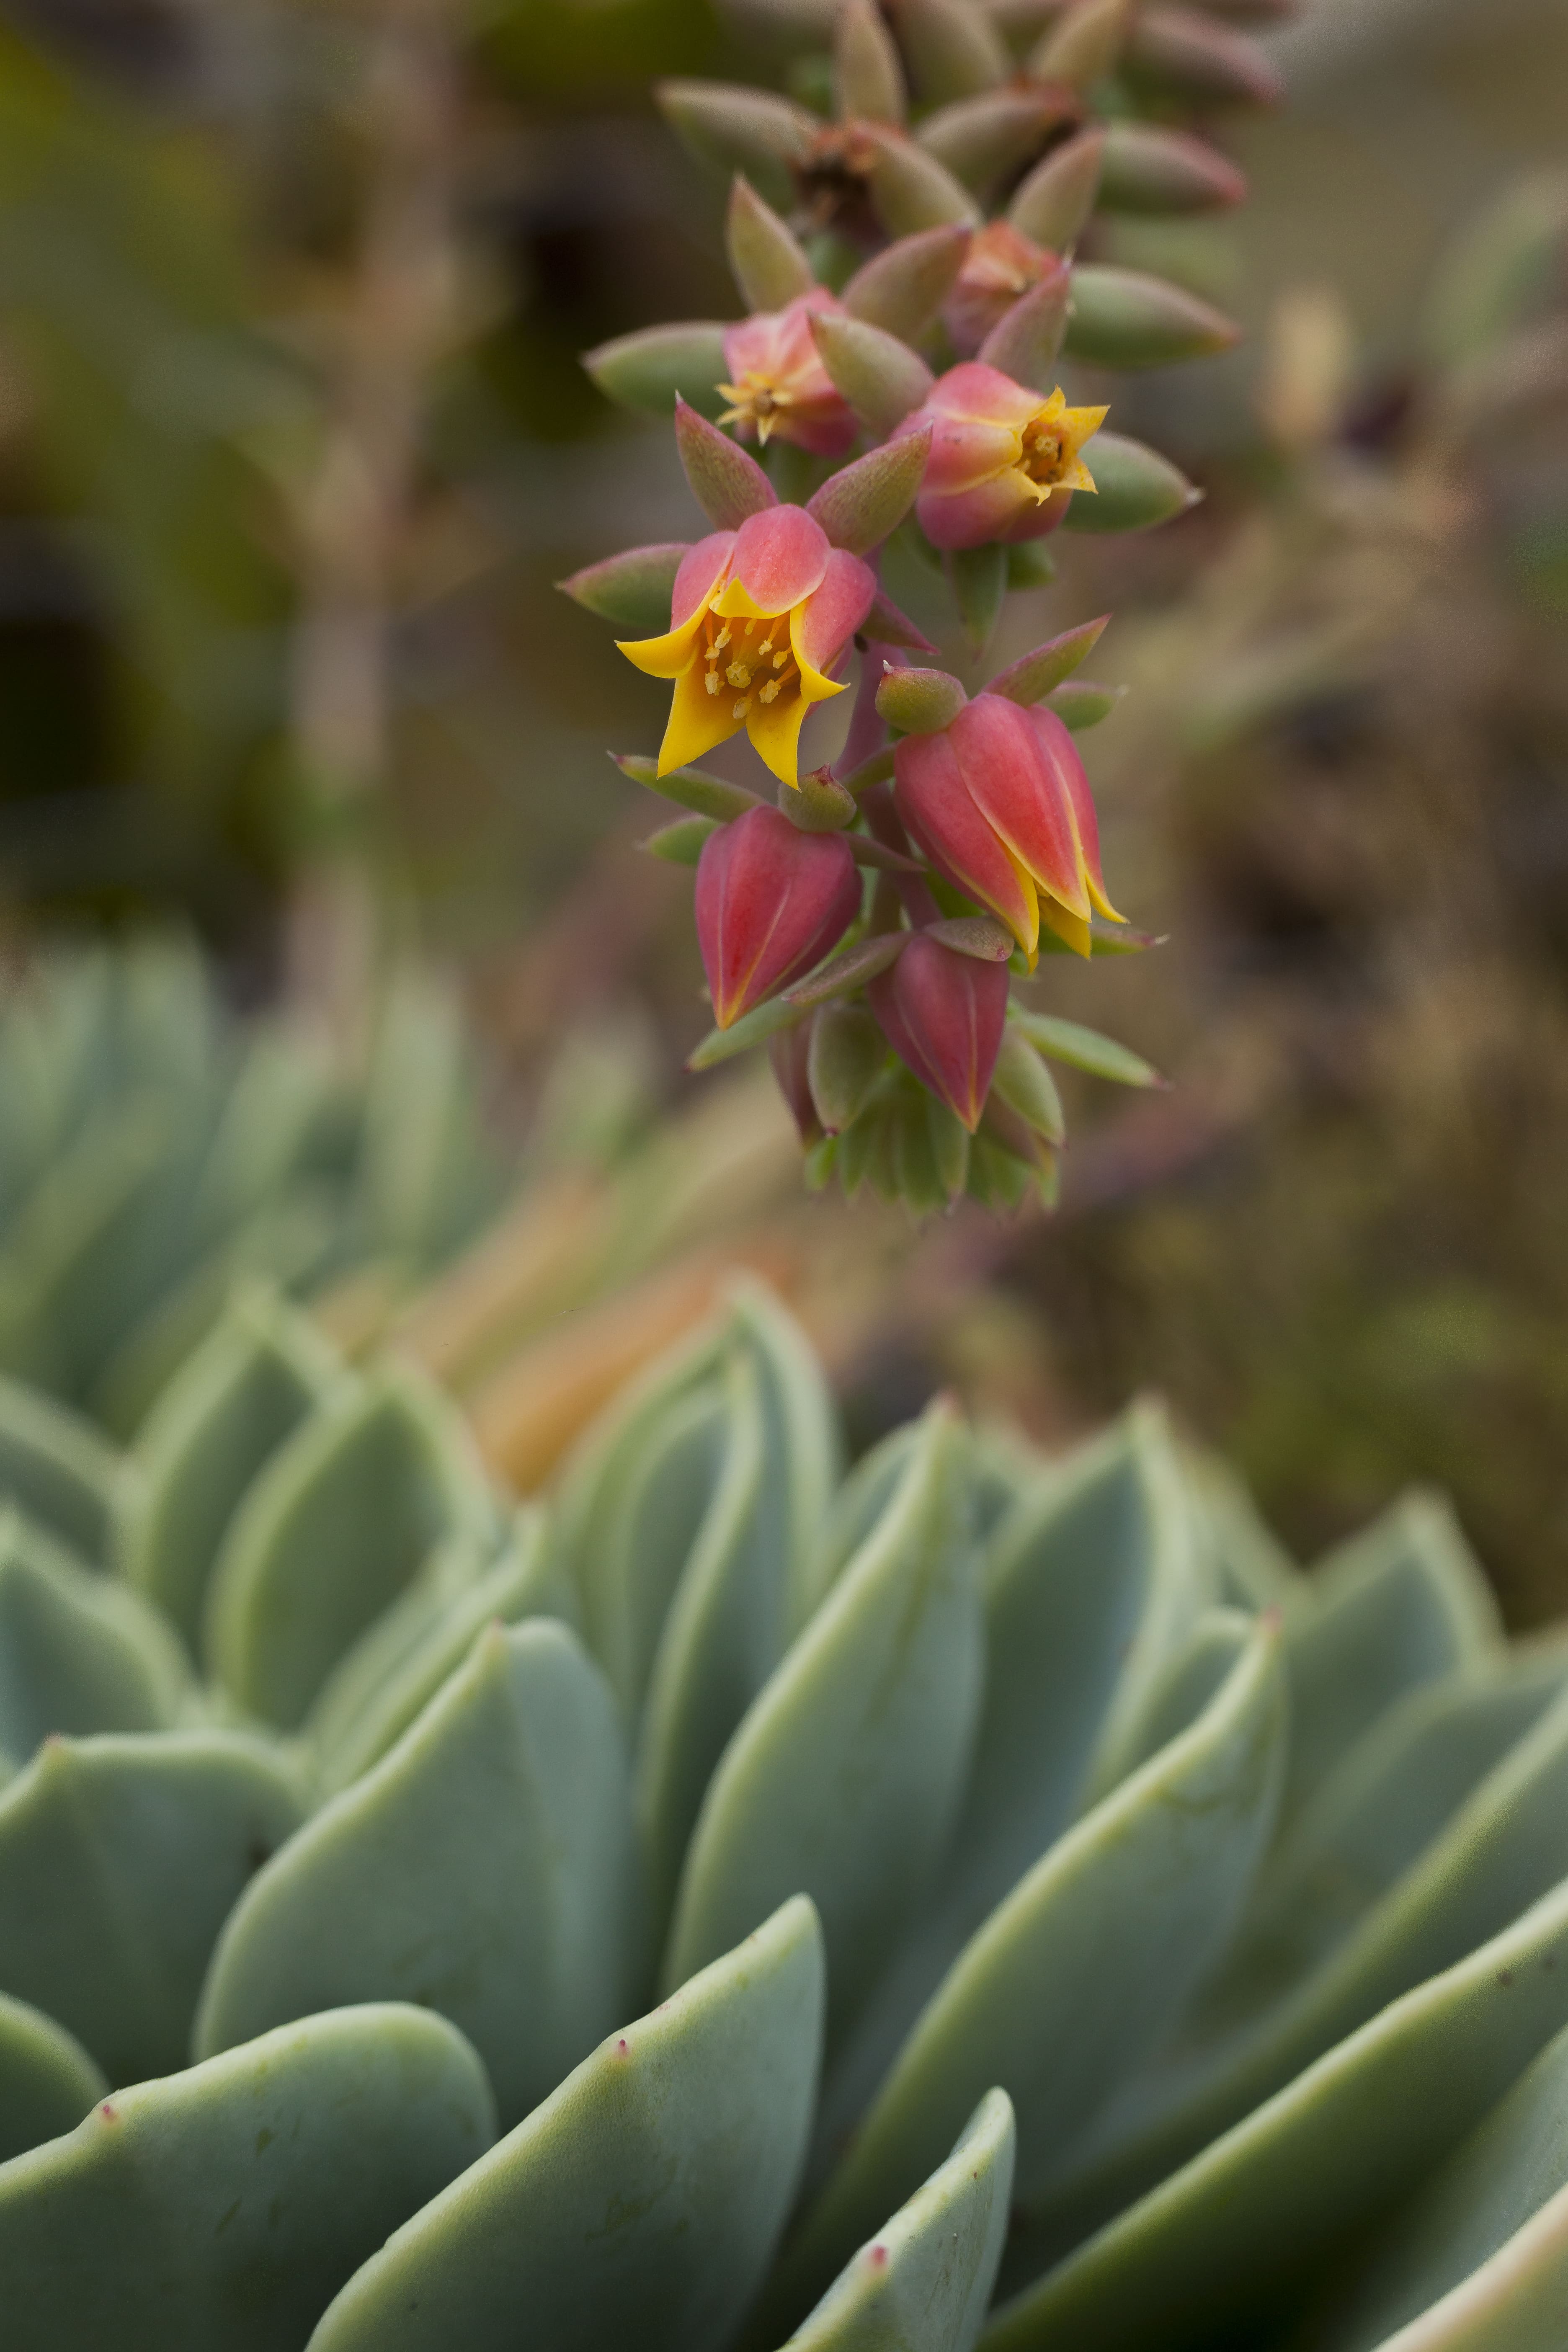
818	802
771	902
919	701
943	1014
1126	319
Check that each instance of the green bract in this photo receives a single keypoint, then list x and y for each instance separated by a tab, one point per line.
1071	1929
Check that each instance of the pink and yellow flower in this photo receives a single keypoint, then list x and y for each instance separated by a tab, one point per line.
759	619
1002	459
1001	264
778	385
999	803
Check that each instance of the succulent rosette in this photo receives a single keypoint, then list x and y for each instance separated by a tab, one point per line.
919	275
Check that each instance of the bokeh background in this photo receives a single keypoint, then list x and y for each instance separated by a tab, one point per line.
294	442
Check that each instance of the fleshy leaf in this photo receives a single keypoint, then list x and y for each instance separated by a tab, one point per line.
767	258
47	2081
1026	341
843	1779
1087	1049
58	1469
1054	203
989	138
901	288
860	505
642	2201
925	2281
262	1369
120	1859
1134	487
690	788
1083	1966
633	590
1034	675
953	50
655	368
1125	318
225	2204
727	484
78	1651
1149	168
484	1868
733	129
880	376
333	1530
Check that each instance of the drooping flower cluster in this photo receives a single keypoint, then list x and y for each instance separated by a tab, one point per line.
869	928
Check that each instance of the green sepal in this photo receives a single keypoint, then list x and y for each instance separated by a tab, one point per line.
868	78
682	843
1034	675
753	1028
901	288
847	1055
953	50
1149	168
859	506
733	129
1054	203
689	788
1085	1049
1026	341
880	377
765	258
1126	319
984	140
1080	704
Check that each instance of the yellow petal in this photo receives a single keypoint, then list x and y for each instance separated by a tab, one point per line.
813	685
698	720
732	602
1100	900
774	729
1073	929
1075	477
668	656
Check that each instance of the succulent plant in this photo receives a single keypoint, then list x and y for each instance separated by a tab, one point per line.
152	1148
741	1899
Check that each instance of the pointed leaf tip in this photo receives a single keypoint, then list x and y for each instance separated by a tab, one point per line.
865	501
729	486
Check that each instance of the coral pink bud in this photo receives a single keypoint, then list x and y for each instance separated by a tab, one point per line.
1001	264
1002	459
1000	805
771	901
778	385
943	1014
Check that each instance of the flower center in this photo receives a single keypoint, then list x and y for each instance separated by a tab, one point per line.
1043	451
757	401
751	658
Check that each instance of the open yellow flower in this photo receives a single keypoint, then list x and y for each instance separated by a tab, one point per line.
759	617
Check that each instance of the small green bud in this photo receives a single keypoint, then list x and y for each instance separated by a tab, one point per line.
817	804
918	701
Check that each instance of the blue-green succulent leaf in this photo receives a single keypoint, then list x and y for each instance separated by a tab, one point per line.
1226	2248
47	2081
120	1859
923	2283
1078	1973
79	1653
56	1468
261	1372
226	2205
641	2203
335	1526
843	1779
486	1868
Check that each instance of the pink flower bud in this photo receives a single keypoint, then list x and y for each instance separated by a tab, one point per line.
1001	264
771	901
1000	805
778	385
1002	459
943	1015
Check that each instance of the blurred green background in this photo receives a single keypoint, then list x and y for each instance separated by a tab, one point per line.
293	444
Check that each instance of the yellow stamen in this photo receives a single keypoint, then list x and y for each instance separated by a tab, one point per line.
722	639
771	689
741	708
738	674
711	681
